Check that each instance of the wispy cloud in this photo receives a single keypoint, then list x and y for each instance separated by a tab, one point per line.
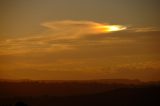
69	29
145	29
56	37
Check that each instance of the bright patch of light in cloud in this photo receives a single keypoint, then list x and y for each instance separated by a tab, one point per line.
111	28
57	33
69	29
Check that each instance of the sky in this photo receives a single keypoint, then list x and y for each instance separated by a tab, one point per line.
79	40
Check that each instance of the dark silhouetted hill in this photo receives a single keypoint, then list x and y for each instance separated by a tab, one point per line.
9	88
80	93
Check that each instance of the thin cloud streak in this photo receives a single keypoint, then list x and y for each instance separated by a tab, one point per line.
144	29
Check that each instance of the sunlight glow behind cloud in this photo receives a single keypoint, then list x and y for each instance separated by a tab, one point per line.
76	29
56	33
74	47
111	28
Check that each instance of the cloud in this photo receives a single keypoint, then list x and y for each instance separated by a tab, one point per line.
71	68
69	29
145	29
58	36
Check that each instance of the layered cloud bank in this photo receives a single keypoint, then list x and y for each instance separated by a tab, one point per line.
82	50
56	33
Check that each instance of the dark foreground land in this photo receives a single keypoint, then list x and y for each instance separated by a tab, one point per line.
79	93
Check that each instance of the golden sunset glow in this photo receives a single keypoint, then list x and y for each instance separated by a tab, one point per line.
79	52
79	39
115	28
111	28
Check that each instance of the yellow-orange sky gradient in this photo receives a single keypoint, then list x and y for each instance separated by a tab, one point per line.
80	39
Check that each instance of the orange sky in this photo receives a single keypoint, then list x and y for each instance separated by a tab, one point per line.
79	40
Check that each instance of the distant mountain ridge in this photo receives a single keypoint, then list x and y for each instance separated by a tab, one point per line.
124	96
11	88
127	81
